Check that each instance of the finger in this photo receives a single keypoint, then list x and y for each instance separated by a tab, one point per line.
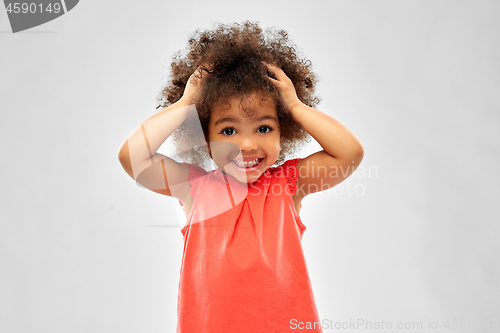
270	67
200	72
203	71
197	75
273	81
278	72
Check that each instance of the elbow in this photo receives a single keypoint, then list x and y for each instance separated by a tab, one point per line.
361	151
124	158
123	153
358	150
126	165
123	149
358	155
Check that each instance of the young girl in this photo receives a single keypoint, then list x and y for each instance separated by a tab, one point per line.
250	97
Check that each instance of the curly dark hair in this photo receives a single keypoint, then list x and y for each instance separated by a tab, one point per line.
232	54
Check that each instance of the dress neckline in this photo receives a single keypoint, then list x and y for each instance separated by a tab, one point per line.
227	178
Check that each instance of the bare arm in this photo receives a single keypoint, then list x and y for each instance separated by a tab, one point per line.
342	151
138	153
341	155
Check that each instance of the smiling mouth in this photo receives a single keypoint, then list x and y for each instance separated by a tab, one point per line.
247	165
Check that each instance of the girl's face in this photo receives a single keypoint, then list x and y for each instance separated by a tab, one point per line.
245	146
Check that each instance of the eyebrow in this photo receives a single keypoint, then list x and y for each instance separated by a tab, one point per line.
233	120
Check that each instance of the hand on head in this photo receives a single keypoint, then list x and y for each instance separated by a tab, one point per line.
192	92
284	85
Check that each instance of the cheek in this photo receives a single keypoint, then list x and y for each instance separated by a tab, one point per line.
276	147
211	135
278	141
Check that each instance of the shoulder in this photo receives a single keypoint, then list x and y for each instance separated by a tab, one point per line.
291	163
288	171
195	171
195	174
288	166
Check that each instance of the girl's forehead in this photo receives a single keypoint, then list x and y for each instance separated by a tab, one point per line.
248	106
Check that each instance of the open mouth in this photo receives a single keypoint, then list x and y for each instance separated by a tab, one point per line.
246	166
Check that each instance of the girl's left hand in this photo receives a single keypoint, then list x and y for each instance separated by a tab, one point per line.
285	86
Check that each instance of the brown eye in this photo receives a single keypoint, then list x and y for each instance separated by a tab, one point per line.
265	128
227	131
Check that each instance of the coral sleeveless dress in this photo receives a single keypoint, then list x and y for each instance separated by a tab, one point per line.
243	269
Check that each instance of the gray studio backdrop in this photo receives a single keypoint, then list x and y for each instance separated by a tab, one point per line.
411	237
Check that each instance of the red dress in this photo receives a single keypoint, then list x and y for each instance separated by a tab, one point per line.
243	269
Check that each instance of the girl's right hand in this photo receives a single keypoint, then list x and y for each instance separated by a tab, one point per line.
192	92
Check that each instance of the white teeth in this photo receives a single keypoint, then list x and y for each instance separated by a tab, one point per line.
246	164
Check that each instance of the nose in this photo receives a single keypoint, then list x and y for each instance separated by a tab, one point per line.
247	143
